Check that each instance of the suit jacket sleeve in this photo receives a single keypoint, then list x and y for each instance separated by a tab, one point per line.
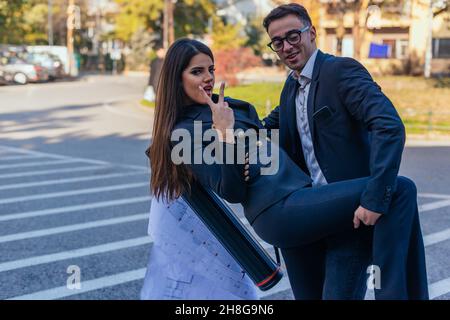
272	121
365	101
227	180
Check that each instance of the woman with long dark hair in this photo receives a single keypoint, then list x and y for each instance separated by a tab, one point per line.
279	203
186	261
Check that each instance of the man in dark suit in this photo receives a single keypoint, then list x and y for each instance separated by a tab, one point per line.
336	124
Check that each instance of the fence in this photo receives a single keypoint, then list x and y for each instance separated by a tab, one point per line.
426	120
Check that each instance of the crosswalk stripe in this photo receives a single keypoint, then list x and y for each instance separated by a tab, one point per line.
63	181
434	205
52	155
56	156
434	195
35	164
439	288
80	207
73	227
436	237
76	253
86	286
74	192
51	171
21	157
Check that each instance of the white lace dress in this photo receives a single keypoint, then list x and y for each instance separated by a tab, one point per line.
187	261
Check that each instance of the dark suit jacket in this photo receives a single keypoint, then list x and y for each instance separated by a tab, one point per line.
355	129
227	180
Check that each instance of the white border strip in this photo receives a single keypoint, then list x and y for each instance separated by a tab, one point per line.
56	156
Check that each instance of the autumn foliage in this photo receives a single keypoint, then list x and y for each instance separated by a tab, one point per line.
229	62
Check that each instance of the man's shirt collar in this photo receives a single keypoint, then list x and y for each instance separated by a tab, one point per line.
308	69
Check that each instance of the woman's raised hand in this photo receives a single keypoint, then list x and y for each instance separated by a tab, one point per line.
222	114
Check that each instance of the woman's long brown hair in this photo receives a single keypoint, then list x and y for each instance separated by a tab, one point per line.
169	181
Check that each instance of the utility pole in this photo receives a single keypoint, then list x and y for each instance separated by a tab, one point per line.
50	22
73	22
428	50
70	26
168	32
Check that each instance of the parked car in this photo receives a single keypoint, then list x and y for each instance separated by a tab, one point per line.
48	61
3	79
22	71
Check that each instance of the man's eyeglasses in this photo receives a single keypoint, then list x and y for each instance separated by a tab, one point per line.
292	37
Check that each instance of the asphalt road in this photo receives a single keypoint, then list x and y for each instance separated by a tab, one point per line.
74	194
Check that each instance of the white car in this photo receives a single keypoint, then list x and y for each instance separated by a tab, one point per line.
23	72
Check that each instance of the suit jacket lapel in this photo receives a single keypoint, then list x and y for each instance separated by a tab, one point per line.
313	90
292	142
291	109
310	106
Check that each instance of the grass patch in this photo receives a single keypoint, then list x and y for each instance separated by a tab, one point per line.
147	103
258	94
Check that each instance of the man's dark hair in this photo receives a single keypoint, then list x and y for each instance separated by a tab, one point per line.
287	9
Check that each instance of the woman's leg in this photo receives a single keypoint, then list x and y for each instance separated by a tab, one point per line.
310	214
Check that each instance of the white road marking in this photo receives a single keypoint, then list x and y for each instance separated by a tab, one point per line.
434	195
111	109
51	171
56	156
21	157
36	164
76	253
64	181
439	288
434	205
60	210
52	155
74	192
73	227
86	286
436	237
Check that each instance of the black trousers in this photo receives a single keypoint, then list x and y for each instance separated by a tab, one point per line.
312	214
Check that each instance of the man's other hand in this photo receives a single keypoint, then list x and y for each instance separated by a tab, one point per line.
369	218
